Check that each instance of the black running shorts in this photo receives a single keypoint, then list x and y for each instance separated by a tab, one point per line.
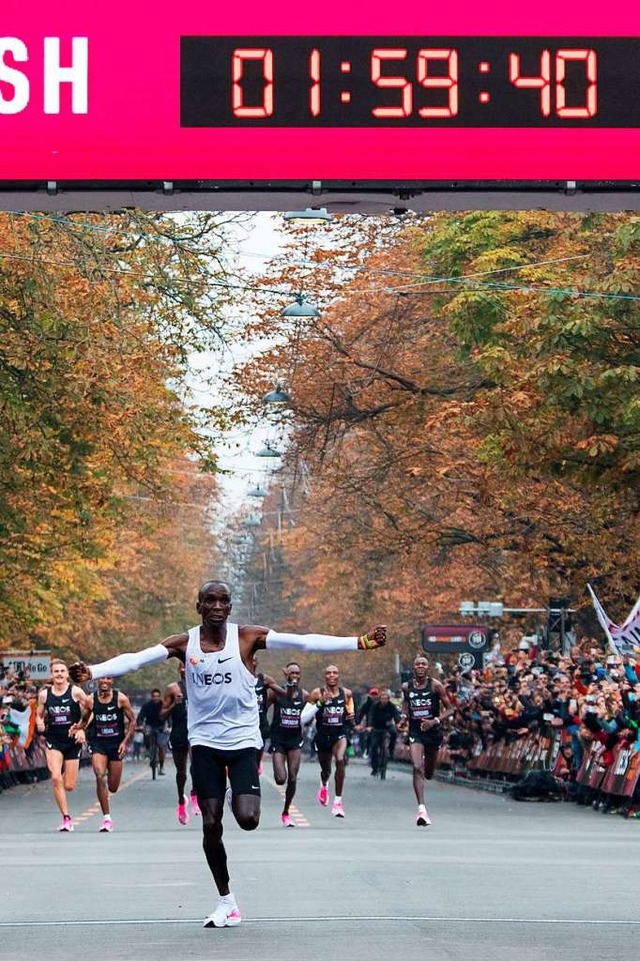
209	768
70	749
280	745
108	748
325	742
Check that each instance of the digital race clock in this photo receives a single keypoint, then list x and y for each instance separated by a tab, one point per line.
289	93
424	81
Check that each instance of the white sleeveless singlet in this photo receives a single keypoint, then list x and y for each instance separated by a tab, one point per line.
222	708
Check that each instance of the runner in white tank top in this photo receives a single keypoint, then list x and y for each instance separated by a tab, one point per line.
219	660
221	696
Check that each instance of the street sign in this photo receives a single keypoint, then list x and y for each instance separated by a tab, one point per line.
453	638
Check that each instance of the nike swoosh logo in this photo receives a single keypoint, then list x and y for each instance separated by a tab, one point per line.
255	787
223	660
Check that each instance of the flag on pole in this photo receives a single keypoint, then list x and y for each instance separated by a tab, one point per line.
622	639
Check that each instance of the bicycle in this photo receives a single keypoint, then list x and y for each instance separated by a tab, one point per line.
153	752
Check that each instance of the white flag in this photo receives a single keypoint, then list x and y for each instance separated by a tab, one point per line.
622	640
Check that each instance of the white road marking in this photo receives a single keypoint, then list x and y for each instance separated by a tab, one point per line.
333	920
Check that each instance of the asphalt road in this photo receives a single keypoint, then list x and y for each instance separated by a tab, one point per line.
490	879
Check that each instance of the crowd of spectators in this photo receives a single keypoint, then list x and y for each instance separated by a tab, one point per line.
585	694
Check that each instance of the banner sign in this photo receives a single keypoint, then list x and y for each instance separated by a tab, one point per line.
36	663
286	92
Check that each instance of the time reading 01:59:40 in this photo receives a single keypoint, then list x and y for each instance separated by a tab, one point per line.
409	81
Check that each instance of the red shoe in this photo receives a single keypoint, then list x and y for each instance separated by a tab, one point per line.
182	813
287	821
195	807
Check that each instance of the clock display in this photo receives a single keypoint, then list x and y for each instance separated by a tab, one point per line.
409	82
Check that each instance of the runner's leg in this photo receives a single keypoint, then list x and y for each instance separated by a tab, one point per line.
416	750
99	763
293	763
279	766
114	775
180	757
55	760
339	751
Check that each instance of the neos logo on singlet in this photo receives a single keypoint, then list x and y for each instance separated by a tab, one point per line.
207	680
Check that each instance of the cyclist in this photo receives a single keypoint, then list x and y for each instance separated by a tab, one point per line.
382	720
154	726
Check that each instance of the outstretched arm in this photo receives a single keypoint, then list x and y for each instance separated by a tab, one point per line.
173	646
261	638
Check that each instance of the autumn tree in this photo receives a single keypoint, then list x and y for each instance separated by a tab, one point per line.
98	316
446	406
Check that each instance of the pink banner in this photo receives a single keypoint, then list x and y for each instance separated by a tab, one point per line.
99	92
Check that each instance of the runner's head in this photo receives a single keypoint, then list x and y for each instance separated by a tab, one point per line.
105	685
214	602
292	674
331	675
420	667
59	671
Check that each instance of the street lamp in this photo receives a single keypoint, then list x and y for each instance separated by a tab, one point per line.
278	397
300	308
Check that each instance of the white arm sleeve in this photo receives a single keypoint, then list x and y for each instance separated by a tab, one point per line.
310	642
308	713
124	663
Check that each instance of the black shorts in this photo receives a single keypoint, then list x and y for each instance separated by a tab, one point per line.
281	744
326	741
108	748
69	749
209	768
178	743
429	741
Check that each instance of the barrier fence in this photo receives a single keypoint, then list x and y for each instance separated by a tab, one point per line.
608	774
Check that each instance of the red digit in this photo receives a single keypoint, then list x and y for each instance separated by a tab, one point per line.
314	93
591	60
239	57
399	83
541	83
450	82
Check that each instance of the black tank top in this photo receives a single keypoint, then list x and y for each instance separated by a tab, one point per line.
424	704
108	719
261	696
179	715
61	711
286	714
331	715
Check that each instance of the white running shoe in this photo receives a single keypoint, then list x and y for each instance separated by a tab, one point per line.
337	810
67	824
107	825
422	818
226	915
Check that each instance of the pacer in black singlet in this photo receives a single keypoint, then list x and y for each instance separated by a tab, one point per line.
423	700
110	731
286	736
335	711
175	707
60	710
